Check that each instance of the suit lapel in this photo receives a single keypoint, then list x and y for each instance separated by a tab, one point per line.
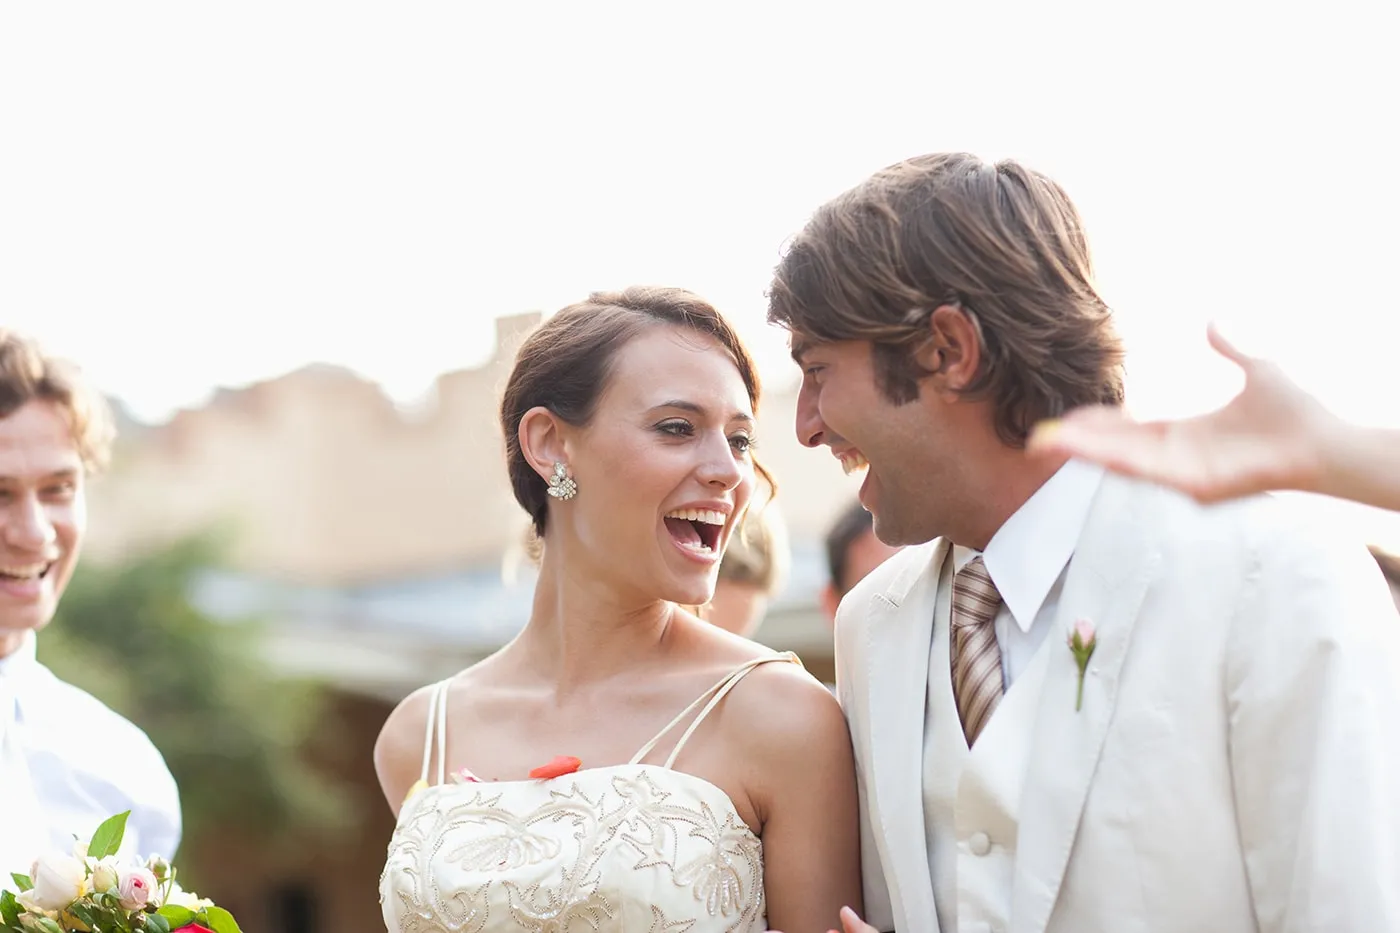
1112	566
900	632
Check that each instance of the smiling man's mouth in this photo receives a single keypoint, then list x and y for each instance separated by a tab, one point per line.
696	529
26	572
852	461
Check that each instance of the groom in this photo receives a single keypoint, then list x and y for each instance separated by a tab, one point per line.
1226	757
67	762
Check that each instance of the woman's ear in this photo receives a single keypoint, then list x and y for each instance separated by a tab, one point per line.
542	440
952	351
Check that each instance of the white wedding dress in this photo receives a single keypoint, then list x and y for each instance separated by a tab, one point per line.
633	848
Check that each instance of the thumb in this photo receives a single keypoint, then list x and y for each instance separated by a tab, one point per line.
1224	347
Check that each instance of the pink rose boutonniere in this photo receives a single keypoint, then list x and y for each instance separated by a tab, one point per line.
1082	641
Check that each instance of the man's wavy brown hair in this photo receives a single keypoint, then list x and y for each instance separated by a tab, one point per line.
1001	242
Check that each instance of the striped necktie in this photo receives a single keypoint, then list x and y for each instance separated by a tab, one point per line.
977	683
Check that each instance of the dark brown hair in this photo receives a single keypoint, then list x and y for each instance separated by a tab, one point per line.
28	374
1001	242
564	366
849	528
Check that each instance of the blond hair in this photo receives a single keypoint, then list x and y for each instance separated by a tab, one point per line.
28	374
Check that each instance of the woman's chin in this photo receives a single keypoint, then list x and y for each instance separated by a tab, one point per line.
692	596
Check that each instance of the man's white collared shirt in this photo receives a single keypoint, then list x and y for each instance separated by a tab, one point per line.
83	763
1027	557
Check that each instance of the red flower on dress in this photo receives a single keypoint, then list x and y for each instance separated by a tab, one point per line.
558	767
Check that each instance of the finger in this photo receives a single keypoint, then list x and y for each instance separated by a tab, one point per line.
1083	430
852	923
1049	435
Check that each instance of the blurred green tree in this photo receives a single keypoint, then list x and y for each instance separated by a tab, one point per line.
254	753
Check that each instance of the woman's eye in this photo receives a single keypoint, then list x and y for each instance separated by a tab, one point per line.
676	428
742	443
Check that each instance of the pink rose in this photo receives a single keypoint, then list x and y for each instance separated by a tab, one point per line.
1081	645
136	888
1083	634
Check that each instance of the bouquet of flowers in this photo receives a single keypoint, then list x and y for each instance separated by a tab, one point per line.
92	891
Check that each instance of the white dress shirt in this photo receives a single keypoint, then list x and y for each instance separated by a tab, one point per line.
1027	557
82	763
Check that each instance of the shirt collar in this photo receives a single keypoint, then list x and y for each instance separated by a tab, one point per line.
22	658
1031	549
12	671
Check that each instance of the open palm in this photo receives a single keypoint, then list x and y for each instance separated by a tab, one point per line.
1263	439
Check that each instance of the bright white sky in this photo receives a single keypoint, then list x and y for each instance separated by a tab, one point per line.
196	194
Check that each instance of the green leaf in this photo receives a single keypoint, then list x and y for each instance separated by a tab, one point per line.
23	881
221	921
157	924
176	916
108	838
9	909
83	912
47	925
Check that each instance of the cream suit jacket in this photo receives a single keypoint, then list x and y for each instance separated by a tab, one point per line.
1236	762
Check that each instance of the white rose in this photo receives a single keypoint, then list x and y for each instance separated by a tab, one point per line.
106	874
26	900
59	880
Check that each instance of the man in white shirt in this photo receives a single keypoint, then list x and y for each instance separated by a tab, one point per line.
1218	748
67	762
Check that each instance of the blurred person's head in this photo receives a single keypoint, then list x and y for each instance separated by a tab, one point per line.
639	407
940	309
852	551
55	431
751	572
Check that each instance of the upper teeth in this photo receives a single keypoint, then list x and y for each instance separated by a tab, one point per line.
852	461
708	516
28	570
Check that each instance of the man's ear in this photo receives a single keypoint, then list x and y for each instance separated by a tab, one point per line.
952	352
543	441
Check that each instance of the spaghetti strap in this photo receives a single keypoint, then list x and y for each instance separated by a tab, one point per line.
436	730
714	695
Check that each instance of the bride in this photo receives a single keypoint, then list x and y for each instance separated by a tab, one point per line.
622	765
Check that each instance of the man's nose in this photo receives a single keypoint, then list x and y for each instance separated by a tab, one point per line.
811	430
29	526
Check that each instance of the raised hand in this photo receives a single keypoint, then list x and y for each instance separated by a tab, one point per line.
1270	436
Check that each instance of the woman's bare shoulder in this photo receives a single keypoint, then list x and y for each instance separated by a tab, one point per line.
398	752
403	739
786	722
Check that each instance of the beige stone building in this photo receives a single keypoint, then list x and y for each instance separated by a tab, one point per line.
383	544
